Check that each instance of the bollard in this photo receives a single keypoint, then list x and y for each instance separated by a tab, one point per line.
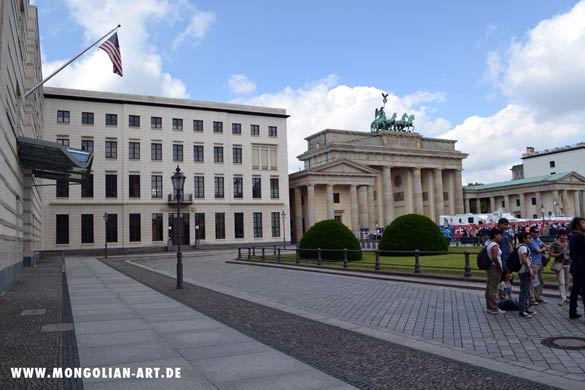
467	273
377	264
298	256
274	248
239	253
345	261
319	257
278	258
416	261
249	253
263	255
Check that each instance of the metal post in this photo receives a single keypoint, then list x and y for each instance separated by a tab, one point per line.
274	250
179	253
263	255
298	256
249	253
416	261
345	260
467	273
377	264
106	229
319	257
278	258
239	253
254	251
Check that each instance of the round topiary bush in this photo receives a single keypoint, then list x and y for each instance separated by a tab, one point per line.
330	234
410	232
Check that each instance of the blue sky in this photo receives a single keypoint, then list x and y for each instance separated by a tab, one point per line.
496	76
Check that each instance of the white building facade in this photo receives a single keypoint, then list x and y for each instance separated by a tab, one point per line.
234	158
555	160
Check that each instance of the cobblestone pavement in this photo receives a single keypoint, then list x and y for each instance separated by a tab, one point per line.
454	318
362	361
22	344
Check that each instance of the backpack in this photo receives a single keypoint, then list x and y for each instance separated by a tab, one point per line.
514	263
483	260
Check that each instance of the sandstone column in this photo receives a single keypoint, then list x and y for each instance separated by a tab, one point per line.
492	204
577	205
438	194
298	215
330	212
353	199
363	206
417	191
477	205
371	210
388	196
458	192
565	203
311	211
507	205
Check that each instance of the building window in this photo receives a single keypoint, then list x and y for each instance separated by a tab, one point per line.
157	186
112	228
111	149
256	187
398	196
218	127
517	202
133	120
238	187
157	227
272	131
237	154
62	116
219	194
155	151
111	186
551	164
533	201
197	125
503	204
134	186
177	124
275	191
445	196
257	221
156	122
336	197
111	120
198	153
87	187
134	226
62	228
87	119
87	145
275	217
62	188
199	191
264	157
200	222
238	225
134	150
86	228
255	130
63	141
218	154
177	152
425	196
219	226
236	128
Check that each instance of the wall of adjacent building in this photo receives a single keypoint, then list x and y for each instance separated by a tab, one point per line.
564	160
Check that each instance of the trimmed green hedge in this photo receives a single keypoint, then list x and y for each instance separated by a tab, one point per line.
413	231
329	234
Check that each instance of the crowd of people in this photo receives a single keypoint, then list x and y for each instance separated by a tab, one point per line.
566	256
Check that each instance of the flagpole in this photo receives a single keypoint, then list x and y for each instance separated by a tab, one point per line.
68	62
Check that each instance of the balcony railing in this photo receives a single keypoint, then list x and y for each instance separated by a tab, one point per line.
185	198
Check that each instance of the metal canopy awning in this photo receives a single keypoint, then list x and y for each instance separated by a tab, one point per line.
50	160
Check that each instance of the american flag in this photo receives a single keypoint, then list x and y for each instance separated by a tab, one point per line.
112	47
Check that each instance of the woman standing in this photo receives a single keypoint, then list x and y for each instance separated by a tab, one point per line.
494	272
560	252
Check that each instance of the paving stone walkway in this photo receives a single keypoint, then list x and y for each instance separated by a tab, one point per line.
449	317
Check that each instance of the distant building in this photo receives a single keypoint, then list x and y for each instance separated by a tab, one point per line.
234	158
554	160
365	180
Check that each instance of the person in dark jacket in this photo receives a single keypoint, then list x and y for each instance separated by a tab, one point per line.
577	269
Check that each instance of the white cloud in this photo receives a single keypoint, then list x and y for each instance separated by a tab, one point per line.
547	70
142	63
324	104
197	28
241	84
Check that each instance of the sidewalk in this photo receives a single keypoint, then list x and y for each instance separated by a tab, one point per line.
122	323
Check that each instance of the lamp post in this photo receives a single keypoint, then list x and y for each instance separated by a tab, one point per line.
196	235
178	180
106	232
283	216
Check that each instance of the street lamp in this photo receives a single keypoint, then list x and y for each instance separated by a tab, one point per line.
178	180
196	235
283	216
106	231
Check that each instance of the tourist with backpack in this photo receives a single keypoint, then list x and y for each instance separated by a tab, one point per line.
493	272
506	243
525	274
559	250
